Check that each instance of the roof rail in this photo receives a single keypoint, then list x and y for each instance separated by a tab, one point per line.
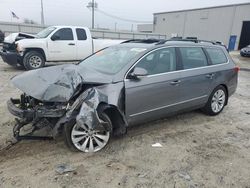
147	41
163	41
193	39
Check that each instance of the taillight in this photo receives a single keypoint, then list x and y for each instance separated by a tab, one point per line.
236	69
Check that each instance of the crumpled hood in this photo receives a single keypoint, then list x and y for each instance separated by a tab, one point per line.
57	83
17	36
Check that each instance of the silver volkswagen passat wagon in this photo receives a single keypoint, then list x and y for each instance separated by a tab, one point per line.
127	84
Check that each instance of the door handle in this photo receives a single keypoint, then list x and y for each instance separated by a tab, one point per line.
176	82
71	44
210	76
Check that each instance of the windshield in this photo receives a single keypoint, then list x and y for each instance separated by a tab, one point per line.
111	60
44	33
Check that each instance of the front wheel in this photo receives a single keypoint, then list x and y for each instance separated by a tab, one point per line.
83	138
33	60
216	101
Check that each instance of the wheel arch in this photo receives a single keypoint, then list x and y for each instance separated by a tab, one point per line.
117	118
40	50
226	88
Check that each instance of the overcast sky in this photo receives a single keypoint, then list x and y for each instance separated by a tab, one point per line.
74	12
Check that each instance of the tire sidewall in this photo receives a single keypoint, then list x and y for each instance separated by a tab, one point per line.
27	57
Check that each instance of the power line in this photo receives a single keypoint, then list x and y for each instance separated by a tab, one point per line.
123	19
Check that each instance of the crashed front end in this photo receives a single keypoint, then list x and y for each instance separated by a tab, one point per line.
54	101
9	51
53	115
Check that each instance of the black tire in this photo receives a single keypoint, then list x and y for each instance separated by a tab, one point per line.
208	109
33	60
68	129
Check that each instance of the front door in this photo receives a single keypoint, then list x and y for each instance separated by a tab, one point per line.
62	46
155	95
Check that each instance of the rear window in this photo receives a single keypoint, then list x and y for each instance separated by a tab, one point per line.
217	56
192	57
81	34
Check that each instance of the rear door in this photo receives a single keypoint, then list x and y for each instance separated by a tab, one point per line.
196	77
155	95
64	47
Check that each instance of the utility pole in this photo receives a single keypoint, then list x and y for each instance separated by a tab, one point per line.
92	5
93	14
42	15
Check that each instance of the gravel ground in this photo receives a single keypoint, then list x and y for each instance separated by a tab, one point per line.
198	150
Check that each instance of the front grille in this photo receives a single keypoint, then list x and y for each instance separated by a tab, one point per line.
9	46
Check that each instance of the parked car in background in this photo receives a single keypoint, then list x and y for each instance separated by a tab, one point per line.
245	52
1	36
55	43
123	85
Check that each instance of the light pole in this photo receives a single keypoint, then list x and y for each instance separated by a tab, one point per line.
92	5
42	15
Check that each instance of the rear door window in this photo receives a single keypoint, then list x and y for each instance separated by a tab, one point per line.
81	34
216	55
192	57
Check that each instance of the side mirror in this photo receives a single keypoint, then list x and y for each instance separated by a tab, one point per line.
137	73
55	37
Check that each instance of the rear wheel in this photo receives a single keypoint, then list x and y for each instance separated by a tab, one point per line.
83	138
216	101
33	60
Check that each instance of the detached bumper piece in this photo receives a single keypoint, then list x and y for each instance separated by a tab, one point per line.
11	58
28	136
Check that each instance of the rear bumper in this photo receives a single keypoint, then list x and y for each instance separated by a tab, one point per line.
11	58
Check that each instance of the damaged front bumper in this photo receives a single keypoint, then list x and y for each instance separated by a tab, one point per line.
31	111
20	109
11	58
14	108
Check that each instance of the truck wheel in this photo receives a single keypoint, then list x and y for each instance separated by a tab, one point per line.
82	138
33	60
216	101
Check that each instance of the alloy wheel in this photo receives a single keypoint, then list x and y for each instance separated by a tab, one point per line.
88	140
218	101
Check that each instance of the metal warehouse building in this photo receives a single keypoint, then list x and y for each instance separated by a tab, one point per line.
229	24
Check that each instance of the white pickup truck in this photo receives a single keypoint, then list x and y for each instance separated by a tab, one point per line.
55	43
